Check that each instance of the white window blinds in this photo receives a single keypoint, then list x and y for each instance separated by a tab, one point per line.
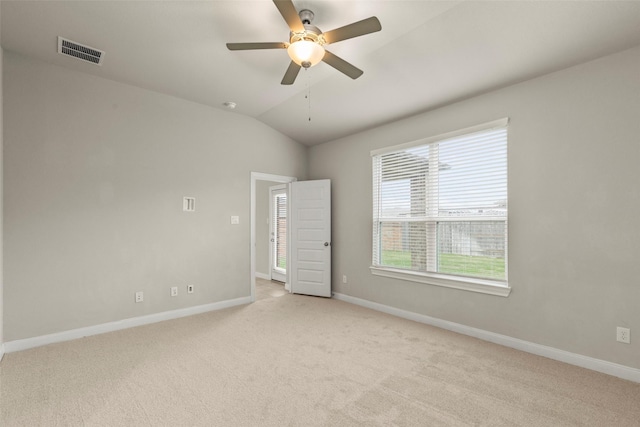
440	205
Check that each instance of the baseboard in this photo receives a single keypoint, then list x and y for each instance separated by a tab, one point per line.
27	343
263	276
621	371
1	352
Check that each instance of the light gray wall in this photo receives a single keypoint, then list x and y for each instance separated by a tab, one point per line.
1	209
262	226
95	172
574	204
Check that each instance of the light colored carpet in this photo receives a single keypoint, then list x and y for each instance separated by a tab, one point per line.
290	360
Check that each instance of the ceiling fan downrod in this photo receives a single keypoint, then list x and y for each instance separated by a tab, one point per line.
306	16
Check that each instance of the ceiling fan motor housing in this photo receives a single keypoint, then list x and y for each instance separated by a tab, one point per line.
311	33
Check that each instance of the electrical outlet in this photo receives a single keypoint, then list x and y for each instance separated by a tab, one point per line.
344	278
189	289
188	204
174	291
139	296
623	335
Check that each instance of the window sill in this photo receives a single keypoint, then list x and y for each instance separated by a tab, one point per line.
464	283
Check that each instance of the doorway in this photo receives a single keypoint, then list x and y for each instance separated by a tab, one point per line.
309	220
261	180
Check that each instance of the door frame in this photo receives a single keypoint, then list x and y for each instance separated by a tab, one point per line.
258	176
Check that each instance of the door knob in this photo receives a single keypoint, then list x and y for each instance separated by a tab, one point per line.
326	243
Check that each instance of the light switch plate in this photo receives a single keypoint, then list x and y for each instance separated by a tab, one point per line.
235	220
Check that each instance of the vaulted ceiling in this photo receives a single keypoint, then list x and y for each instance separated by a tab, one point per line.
428	54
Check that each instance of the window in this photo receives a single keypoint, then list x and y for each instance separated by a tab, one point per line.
440	210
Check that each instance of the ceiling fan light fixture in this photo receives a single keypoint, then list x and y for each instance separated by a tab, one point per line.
305	53
306	41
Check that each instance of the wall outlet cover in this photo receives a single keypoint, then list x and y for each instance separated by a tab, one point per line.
623	335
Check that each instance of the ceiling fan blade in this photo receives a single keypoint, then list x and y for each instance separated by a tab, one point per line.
291	74
258	45
341	65
290	15
360	28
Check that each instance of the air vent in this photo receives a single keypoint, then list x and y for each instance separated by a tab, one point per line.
76	50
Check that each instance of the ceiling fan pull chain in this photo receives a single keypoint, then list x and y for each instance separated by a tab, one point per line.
308	95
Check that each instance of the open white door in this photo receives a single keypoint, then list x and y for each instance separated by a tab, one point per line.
310	237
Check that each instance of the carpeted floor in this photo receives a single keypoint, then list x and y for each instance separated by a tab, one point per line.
290	360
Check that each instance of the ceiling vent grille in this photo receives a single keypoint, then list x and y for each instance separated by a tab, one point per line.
76	50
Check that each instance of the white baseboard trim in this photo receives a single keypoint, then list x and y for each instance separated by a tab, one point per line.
27	343
263	276
620	371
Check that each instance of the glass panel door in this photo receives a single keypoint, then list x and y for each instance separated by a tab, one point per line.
278	230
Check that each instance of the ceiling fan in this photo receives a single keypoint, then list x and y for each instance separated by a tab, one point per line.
306	41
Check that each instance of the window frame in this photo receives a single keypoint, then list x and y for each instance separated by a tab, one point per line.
481	285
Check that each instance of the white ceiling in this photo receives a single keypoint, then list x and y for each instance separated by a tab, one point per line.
428	54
